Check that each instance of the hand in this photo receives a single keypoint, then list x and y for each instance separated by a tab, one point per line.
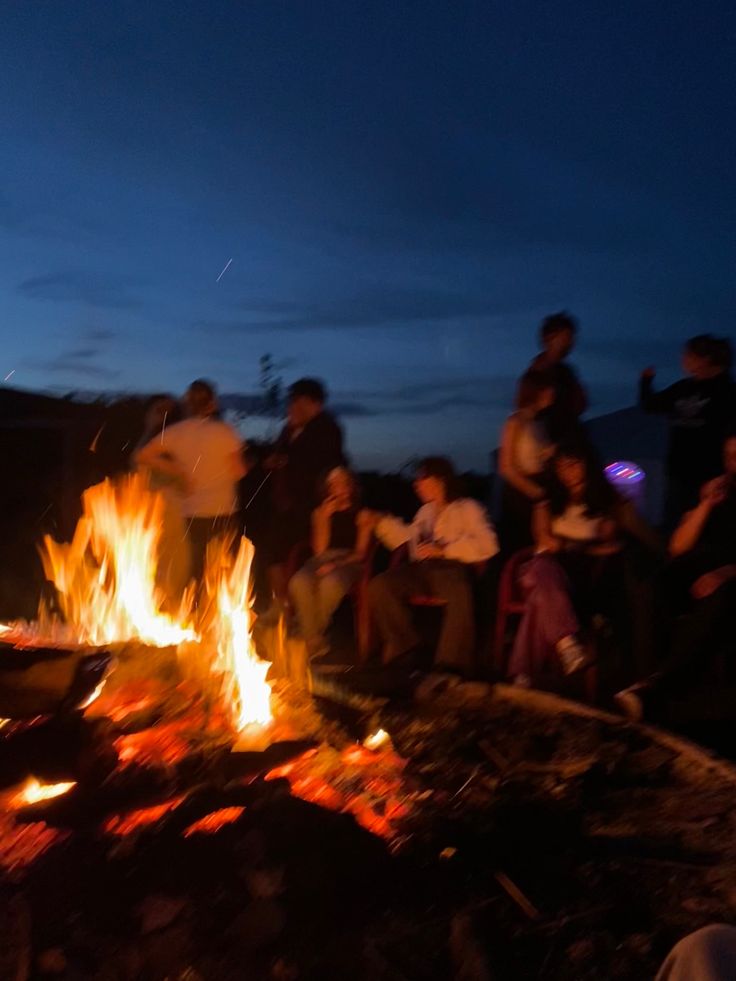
427	550
326	569
329	506
714	492
648	374
707	584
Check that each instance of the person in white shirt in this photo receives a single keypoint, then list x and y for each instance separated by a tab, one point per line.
204	455
447	538
524	454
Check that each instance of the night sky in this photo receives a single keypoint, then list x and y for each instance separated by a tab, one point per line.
404	188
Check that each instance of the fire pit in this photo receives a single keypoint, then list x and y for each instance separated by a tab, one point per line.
205	815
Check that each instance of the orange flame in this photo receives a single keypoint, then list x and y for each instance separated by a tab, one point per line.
106	575
33	792
245	689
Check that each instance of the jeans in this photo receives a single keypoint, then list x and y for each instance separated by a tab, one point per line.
388	596
548	616
316	597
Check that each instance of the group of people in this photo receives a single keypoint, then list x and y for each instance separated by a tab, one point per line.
580	548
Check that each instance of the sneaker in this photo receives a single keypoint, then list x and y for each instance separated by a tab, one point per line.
573	655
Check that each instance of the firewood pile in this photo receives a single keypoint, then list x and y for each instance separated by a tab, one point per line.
494	835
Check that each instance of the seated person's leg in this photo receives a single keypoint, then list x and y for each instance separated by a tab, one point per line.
549	623
387	596
303	595
451	583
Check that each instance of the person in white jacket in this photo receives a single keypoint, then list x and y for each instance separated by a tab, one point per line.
448	536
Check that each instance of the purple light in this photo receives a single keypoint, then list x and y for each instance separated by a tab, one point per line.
623	471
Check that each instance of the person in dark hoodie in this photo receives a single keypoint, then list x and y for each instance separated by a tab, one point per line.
557	335
308	447
701	409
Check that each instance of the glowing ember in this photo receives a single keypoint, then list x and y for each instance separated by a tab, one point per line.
378	740
211	823
33	792
124	824
164	745
365	783
245	689
22	844
106	575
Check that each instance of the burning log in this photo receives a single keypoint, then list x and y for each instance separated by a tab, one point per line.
48	680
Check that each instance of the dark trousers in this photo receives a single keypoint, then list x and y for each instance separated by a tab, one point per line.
697	638
388	596
201	531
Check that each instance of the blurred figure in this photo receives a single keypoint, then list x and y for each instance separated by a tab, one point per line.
703	548
701	408
309	446
449	535
525	453
557	335
173	566
340	536
204	457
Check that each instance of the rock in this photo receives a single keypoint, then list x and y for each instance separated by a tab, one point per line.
259	924
52	961
158	912
264	882
15	938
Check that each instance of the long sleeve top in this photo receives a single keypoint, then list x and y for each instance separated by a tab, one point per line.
700	414
461	529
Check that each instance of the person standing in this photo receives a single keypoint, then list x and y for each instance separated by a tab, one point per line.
308	447
172	568
558	333
205	456
525	452
701	409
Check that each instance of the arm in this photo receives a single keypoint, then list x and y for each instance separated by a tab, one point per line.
476	540
392	532
632	524
509	472
320	530
688	532
237	465
542	529
651	401
365	533
154	456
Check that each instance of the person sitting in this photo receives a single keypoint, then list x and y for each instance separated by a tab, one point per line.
525	452
448	536
703	548
576	572
308	447
701	409
558	334
341	534
204	455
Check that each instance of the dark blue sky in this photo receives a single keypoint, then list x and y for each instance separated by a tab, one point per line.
404	188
